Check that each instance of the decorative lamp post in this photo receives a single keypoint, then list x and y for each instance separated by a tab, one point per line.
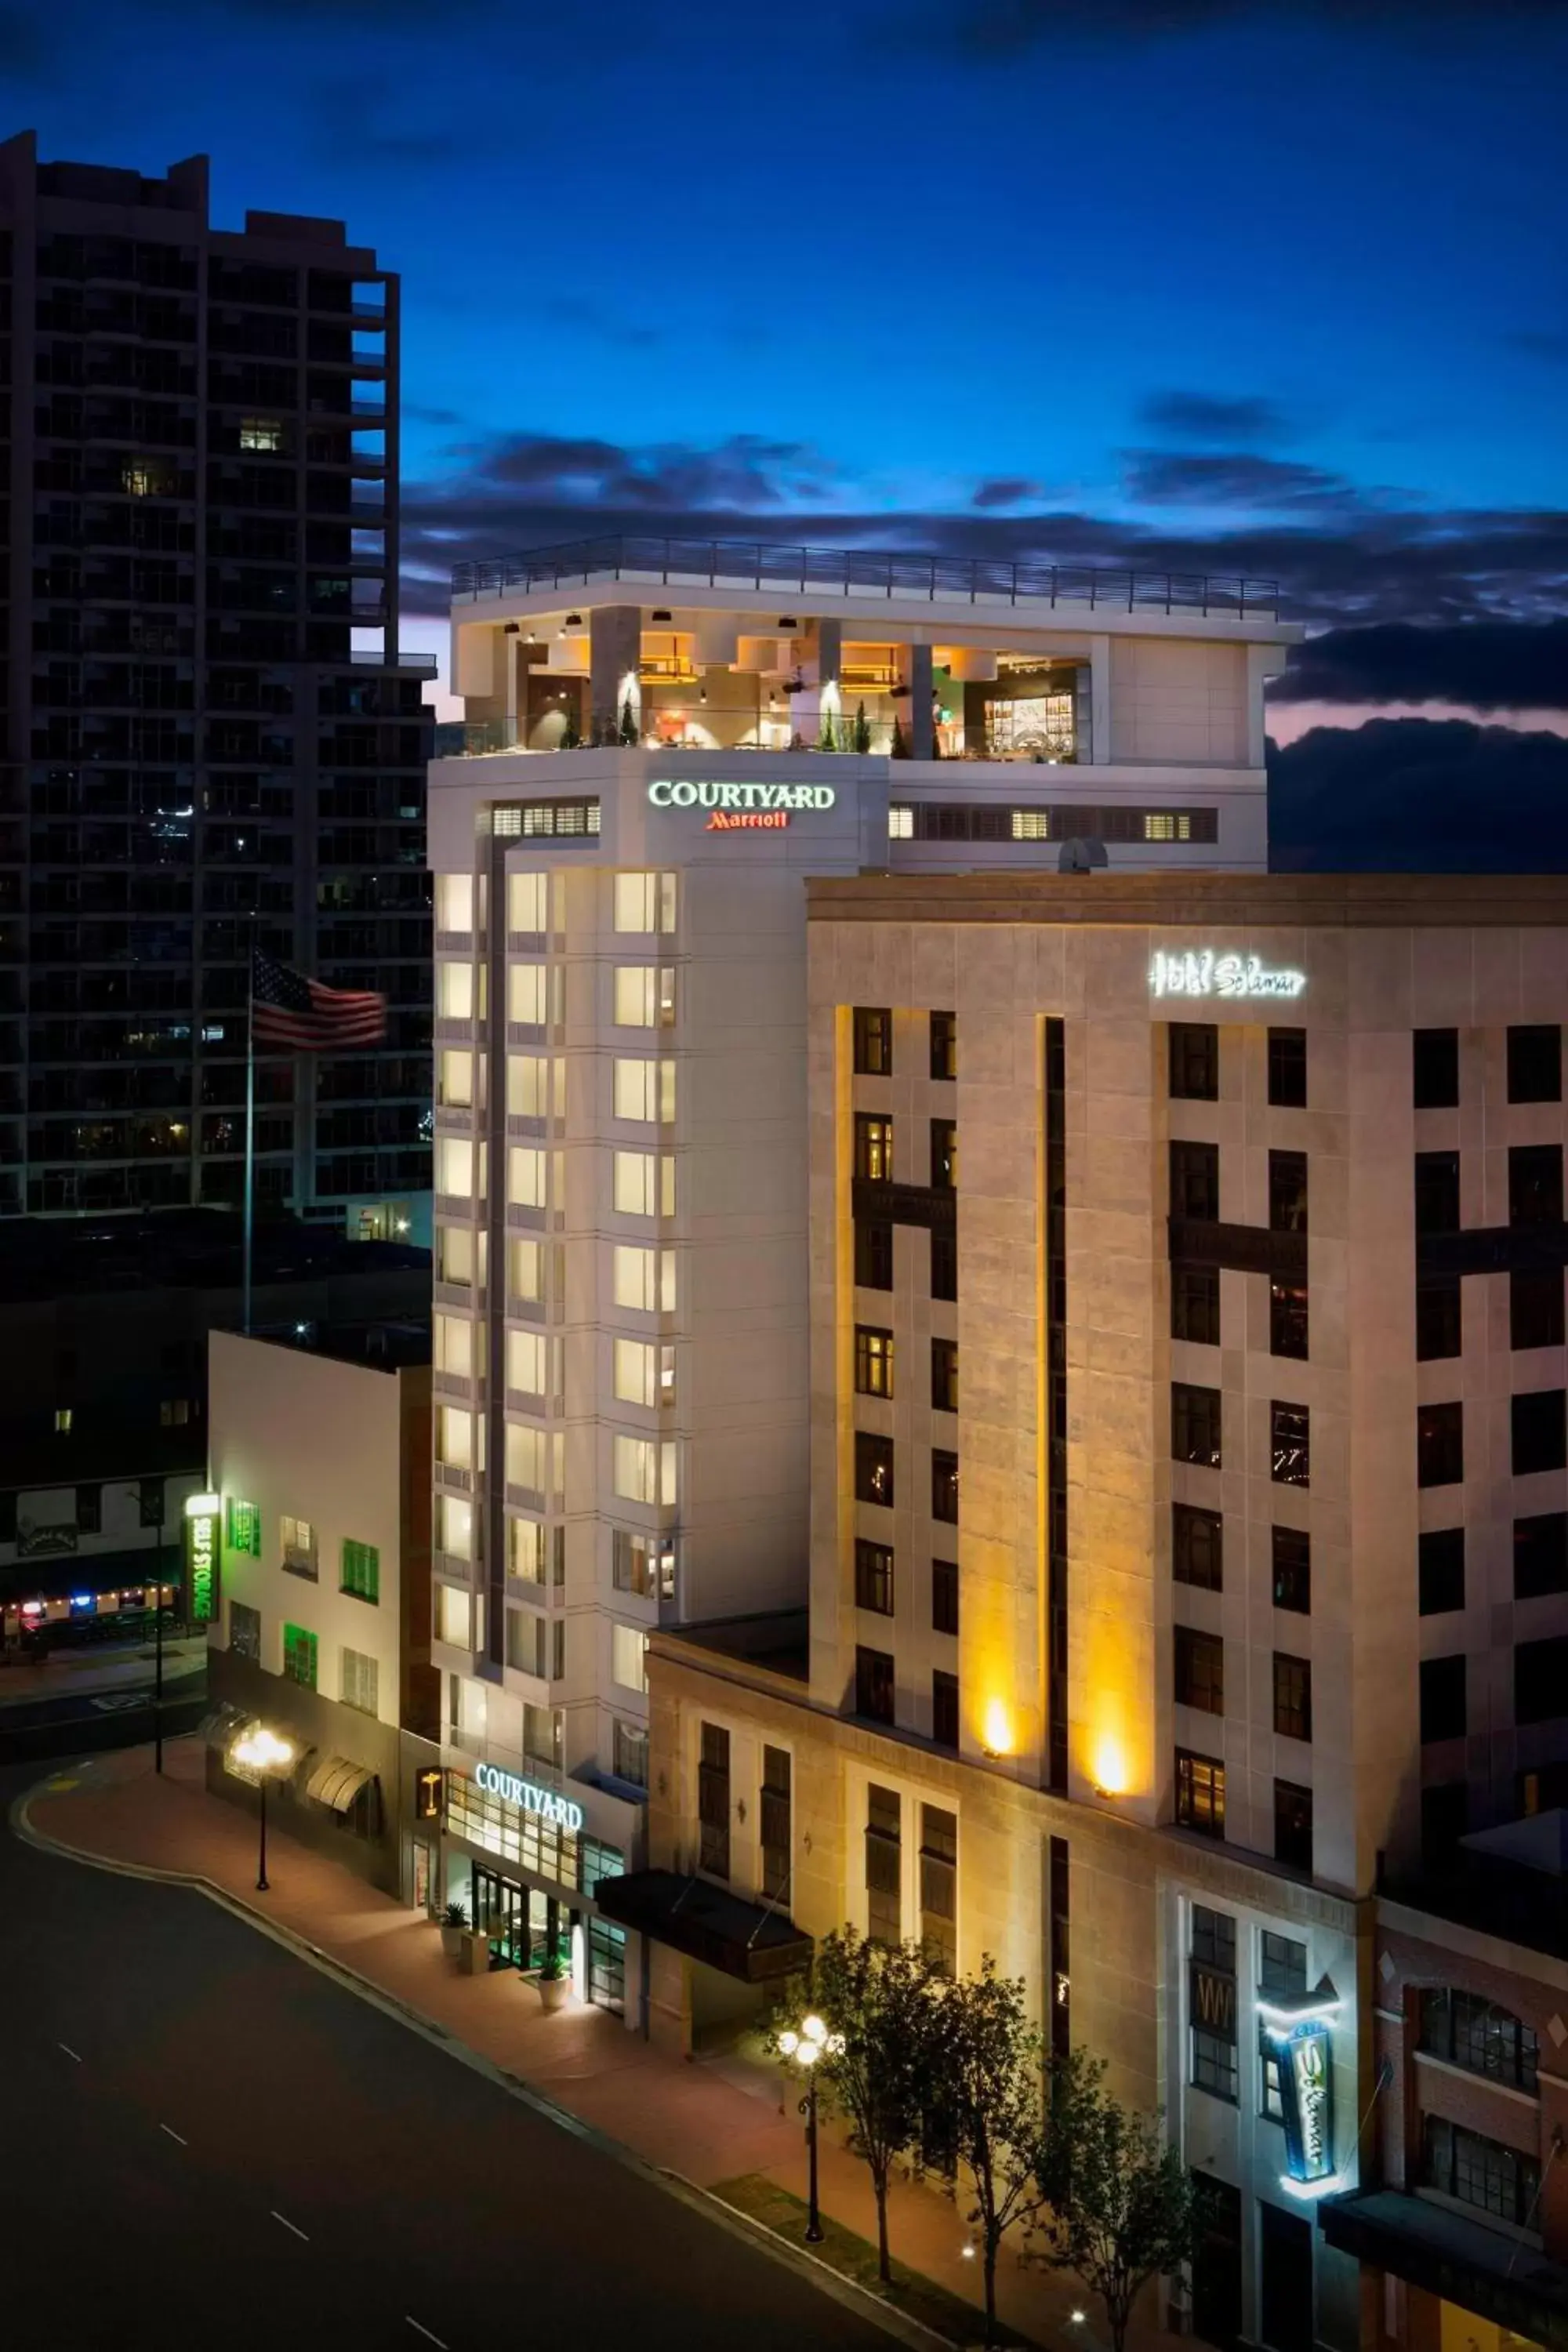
261	1752
805	2048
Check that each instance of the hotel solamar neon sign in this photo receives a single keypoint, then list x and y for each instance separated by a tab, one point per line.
1203	971
736	808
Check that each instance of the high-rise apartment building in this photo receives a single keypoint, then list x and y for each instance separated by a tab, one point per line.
209	736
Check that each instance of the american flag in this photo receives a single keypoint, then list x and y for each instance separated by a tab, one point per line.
287	1009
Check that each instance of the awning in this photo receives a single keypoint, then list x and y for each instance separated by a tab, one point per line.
336	1782
1500	2279
707	1923
222	1724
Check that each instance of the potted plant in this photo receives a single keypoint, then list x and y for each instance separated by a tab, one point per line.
553	1981
454	1925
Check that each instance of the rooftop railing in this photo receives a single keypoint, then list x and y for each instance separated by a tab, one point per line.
804	572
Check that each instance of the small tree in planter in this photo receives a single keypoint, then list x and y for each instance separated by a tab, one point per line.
862	729
555	1981
900	749
454	1927
1118	2202
829	739
985	2083
629	722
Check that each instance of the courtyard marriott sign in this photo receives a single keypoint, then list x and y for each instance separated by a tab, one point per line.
530	1796
1202	972
737	808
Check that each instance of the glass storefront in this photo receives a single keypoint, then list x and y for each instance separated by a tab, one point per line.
525	1923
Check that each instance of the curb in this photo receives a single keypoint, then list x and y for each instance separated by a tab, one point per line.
893	2323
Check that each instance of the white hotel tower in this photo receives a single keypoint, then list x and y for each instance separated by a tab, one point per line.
663	740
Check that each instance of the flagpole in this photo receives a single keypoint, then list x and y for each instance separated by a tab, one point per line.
250	1133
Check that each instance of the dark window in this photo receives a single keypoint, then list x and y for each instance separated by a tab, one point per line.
1436	1191
1290	1445
1439	1318
939	1884
944	1375
873	1147
300	1657
1439	1444
873	1041
1288	1319
1195	1424
944	1708
1535	1184
1292	1564
1443	1713
943	1263
1540	1432
1541	1555
714	1801
874	1685
1200	1670
1200	1793
1440	1571
1535	1308
1195	1061
1470	2031
1213	1940
1288	1068
873	1361
90	1510
777	1840
945	1487
1281	1967
1212	1955
1541	1679
1195	1303
884	1865
945	1044
944	1154
1496	2180
1286	1192
874	1576
1197	1546
1535	1064
873	1468
244	1631
1434	1068
873	1253
1214	2066
944	1596
1292	1697
148	1505
1195	1181
1292	1825
1445	1818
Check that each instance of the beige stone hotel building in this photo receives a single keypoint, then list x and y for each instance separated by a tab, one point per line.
1189	1496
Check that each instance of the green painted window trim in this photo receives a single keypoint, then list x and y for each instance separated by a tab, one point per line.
361	1570
242	1526
300	1651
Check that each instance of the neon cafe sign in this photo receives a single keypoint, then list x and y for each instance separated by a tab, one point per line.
530	1797
1300	2041
742	808
1202	972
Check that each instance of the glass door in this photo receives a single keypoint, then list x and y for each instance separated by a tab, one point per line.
501	1913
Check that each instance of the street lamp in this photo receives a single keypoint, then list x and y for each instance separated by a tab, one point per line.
262	1751
806	2048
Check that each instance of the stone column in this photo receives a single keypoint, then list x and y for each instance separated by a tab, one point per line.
615	649
922	722
1099	703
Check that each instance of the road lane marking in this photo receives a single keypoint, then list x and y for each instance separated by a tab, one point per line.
173	2133
420	2330
288	2224
70	2053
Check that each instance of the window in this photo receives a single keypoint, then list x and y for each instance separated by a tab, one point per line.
1443	1713
454	1167
1479	2172
1197	1547
1441	1570
874	1685
643	1564
1282	1977
1439	1444
455	1080
1541	1679
64	1416
1288	1069
873	1253
1436	1191
945	1044
901	823
644	1090
149	1506
527	903
873	1041
244	1631
1434	1068
1541	1555
873	1361
628	1751
544	1735
525	1271
643	1278
454	1350
1475	2033
300	1657
359	1570
644	1183
714	1801
1200	1793
628	1657
242	1528
454	902
453	1255
944	1708
527	1363
1535	1064
874	1576
1535	1308
357	1680
873	1468
1292	1566
174	1412
535	1086
1286	1192
1211	1953
1445	1818
944	1596
1288	1319
1195	1181
644	996
635	1372
1290	1445
884	1865
453	990
1535	1184
1195	1424
454	1441
1195	1303
1193	1058
528	1177
1200	1670
943	1262
945	1487
525	1550
873	1148
262	432
944	1375
644	1470
1439	1318
90	1510
939	1884
1540	1432
454	1526
944	1154
645	902
1293	1825
298	1538
777	1836
1292	1697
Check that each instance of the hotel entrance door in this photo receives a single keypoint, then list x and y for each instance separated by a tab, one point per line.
501	1912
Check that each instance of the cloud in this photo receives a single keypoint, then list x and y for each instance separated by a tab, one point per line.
1005	490
1178	477
1487	665
1004	30
416	412
1418	796
1217	417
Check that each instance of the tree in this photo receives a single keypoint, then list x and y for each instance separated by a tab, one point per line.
900	749
1118	2202
629	722
862	729
985	2070
827	741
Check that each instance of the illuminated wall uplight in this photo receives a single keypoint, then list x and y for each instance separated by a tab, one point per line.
1111	1774
998	1730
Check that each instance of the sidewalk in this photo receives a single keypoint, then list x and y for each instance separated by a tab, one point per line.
65	1673
708	2122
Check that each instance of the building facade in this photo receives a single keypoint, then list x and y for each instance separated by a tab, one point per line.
209	736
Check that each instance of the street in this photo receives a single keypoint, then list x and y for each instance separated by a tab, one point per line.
211	2143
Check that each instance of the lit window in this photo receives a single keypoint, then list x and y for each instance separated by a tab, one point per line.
455	1254
298	1538
528	1178
455	1167
644	1184
63	1417
453	1615
174	1412
359	1682
636	1371
455	1070
637	995
454	991
527	992
525	1271
525	1362
527	1458
900	824
455	1437
454	902
528	902
643	1279
1031	825
300	1657
1167	824
455	1526
360	1572
628	1656
454	1350
535	1086
263	433
644	1090
525	1549
645	902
